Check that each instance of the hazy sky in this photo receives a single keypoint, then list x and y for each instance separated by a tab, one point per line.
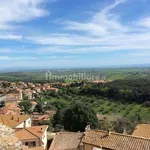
74	33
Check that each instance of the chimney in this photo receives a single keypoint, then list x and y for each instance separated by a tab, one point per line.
18	120
87	128
42	130
109	132
124	131
12	117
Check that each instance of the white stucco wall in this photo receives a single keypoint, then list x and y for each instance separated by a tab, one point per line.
28	123
2	98
44	139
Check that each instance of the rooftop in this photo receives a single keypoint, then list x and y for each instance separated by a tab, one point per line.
115	141
142	130
10	109
66	141
13	120
12	106
42	117
34	132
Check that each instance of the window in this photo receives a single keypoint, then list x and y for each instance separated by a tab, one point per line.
33	143
26	143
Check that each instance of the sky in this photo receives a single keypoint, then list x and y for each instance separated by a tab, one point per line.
74	33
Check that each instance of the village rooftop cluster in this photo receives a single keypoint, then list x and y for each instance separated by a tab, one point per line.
26	132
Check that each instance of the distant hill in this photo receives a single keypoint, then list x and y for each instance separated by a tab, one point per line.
109	73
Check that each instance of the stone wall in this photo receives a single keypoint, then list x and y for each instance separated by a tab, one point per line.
8	141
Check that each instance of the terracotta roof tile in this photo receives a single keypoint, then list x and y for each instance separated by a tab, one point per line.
115	141
142	130
13	120
35	132
40	118
66	141
33	103
26	135
12	106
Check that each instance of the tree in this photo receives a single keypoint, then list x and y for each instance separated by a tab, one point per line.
39	108
77	117
59	104
147	104
25	106
58	118
5	84
124	124
25	98
105	125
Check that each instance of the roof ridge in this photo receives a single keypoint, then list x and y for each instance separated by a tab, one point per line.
32	133
52	142
83	135
132	136
34	127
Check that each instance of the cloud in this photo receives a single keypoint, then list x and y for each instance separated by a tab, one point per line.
17	11
104	32
61	57
52	39
58	49
16	58
81	44
115	4
87	27
10	37
101	23
90	49
145	22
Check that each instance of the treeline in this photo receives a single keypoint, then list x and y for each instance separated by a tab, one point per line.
121	90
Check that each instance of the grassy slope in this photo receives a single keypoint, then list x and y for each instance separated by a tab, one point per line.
126	110
107	107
